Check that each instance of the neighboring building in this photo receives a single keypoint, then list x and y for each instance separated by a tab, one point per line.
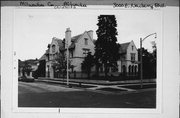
79	46
27	67
127	63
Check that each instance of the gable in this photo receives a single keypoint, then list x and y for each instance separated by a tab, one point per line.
75	39
134	46
82	35
123	47
58	43
43	57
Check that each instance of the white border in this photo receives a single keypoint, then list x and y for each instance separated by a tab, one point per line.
96	110
170	72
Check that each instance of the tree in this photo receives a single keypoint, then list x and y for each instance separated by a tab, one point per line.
26	68
106	47
154	58
87	64
41	70
149	66
154	47
20	66
59	64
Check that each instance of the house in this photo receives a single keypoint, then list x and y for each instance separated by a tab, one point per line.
27	67
78	48
127	64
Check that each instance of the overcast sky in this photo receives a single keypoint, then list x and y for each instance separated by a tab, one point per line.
35	28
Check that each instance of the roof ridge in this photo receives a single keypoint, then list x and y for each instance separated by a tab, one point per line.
125	43
77	35
55	38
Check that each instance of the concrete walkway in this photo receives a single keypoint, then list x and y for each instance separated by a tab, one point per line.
98	85
101	82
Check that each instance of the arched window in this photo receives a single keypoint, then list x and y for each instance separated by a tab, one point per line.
53	48
129	69
133	70
124	70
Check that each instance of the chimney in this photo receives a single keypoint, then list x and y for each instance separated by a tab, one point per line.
90	33
67	37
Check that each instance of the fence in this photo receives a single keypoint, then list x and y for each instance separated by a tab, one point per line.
100	76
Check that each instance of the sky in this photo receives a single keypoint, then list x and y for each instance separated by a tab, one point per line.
35	28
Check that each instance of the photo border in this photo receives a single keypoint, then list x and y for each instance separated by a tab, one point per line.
96	110
164	111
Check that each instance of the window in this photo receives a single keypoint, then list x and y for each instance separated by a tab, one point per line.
85	52
132	56
53	48
71	53
132	47
86	41
48	57
130	69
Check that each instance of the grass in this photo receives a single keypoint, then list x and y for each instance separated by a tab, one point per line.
139	86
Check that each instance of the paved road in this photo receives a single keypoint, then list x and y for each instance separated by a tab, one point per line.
41	87
39	94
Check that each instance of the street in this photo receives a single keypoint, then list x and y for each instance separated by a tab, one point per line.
41	94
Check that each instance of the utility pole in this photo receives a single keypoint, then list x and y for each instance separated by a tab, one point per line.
141	59
141	62
67	65
67	38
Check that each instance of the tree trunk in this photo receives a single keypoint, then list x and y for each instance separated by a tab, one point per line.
88	74
97	70
106	70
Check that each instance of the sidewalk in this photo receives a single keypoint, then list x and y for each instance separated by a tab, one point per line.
98	82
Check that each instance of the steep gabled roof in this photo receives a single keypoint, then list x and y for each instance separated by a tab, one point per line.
75	38
43	57
32	61
72	46
123	47
59	41
29	62
20	63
